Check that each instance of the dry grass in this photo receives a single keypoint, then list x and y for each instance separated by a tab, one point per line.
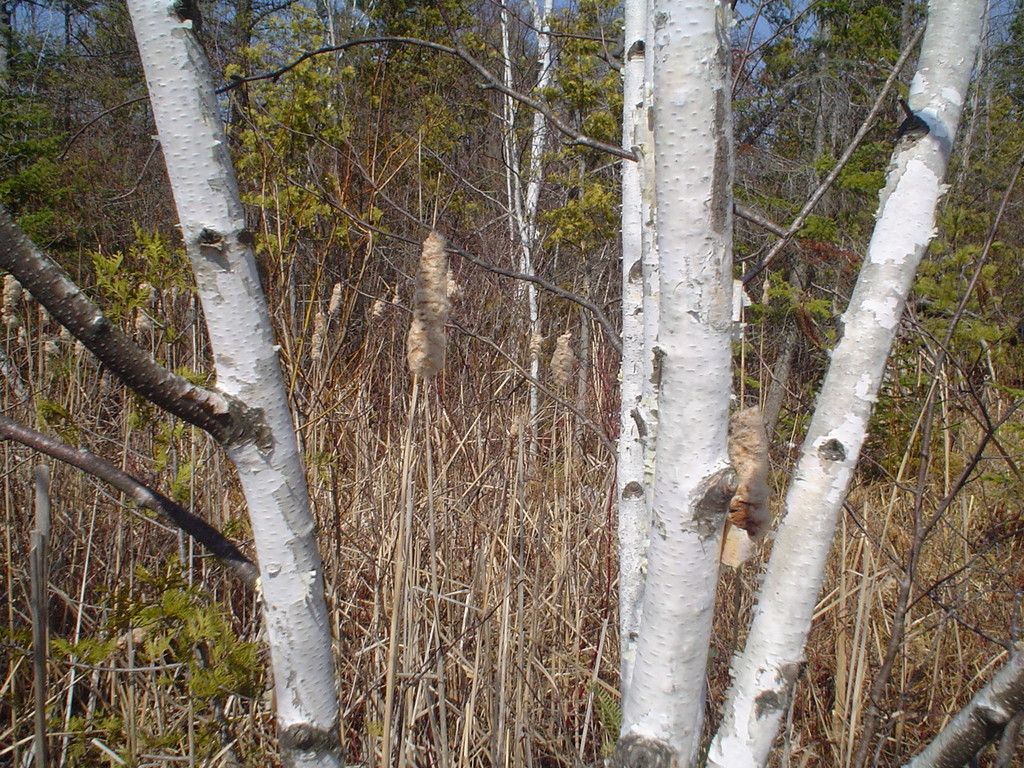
471	584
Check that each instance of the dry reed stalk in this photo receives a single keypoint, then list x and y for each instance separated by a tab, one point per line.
552	546
426	340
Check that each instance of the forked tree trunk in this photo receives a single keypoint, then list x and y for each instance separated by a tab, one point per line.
269	467
663	706
767	670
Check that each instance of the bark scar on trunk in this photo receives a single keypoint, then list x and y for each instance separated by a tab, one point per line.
304	737
636	751
714	495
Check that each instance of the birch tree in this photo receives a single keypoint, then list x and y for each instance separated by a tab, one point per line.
662	696
637	414
523	204
663	705
269	465
767	669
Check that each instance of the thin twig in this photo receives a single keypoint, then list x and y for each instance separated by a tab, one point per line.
602	319
492	82
816	196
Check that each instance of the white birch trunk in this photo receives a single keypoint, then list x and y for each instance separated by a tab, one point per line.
633	518
524	205
663	706
270	469
540	10
768	667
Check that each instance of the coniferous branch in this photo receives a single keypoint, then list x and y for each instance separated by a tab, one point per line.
202	532
225	418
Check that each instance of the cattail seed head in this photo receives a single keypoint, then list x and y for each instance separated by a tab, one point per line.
454	290
319	337
426	341
562	360
334	307
536	341
13	293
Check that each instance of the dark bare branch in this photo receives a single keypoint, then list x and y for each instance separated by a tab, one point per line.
606	325
759	220
226	419
602	319
991	709
202	532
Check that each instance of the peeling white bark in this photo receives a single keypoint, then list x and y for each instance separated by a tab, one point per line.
270	468
765	672
633	520
663	705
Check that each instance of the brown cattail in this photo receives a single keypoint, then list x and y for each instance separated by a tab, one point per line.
536	340
562	360
13	293
319	336
426	340
334	307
